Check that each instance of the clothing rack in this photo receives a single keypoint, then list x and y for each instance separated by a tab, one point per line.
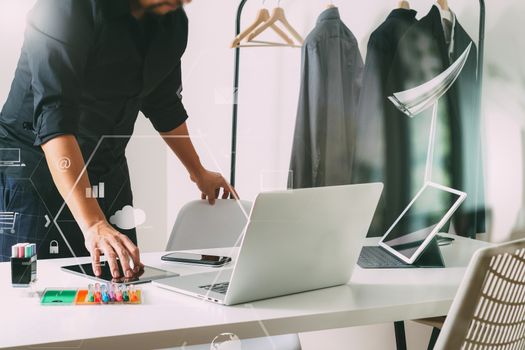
235	112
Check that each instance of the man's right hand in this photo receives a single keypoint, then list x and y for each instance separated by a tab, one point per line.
102	238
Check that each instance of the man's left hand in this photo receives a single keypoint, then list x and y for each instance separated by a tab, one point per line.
210	185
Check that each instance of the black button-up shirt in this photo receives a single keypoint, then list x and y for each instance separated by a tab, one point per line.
87	67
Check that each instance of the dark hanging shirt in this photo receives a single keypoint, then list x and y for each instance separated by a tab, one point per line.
331	75
87	68
422	55
374	123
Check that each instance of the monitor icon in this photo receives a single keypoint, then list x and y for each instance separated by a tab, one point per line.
10	157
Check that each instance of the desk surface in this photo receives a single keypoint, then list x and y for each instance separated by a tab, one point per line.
169	319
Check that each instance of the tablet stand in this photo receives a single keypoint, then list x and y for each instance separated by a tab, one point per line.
376	257
431	256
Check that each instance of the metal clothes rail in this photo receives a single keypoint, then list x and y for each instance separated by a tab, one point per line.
235	112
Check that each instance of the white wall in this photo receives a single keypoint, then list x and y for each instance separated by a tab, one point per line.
12	23
504	103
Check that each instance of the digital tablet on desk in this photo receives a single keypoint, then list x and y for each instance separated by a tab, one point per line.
148	274
411	241
420	222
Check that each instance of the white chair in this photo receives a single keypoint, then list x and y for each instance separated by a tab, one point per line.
488	312
203	226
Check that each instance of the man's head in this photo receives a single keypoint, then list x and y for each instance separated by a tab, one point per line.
160	7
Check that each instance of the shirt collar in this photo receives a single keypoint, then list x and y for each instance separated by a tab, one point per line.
446	14
118	8
451	16
403	14
329	14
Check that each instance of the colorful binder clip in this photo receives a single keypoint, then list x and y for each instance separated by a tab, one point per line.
95	294
98	294
105	294
90	298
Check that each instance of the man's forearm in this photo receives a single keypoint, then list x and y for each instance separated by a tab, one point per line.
209	183
66	164
180	142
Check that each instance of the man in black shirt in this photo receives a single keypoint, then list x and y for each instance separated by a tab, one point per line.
86	69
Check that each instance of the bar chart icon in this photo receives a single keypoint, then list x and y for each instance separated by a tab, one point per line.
96	191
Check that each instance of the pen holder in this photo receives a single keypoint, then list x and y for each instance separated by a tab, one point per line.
23	271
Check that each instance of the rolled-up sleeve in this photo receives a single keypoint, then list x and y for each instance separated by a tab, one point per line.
58	38
163	107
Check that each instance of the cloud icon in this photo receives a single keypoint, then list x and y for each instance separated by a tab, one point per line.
128	218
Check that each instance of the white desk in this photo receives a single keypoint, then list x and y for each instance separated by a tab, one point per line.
168	319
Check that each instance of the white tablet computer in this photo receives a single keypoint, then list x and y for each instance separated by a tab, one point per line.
415	228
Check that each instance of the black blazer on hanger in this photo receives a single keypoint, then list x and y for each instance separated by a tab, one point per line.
422	55
374	116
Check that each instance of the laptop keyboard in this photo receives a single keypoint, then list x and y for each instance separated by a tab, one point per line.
375	257
220	288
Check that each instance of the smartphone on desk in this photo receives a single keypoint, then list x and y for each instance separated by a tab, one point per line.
197	259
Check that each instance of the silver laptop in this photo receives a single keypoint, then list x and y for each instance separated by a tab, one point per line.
295	241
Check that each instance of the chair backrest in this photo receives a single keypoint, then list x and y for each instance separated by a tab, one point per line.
489	309
203	226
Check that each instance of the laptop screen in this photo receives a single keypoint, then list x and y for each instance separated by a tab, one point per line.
419	221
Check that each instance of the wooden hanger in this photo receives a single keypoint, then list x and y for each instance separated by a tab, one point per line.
262	17
330	5
443	4
404	5
278	15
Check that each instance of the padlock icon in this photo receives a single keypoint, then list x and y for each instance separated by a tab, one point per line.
53	247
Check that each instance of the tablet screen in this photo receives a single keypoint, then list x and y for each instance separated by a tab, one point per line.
420	220
147	275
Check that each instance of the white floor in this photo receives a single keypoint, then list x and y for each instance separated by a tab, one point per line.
376	337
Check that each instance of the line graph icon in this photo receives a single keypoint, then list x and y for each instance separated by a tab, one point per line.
414	101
